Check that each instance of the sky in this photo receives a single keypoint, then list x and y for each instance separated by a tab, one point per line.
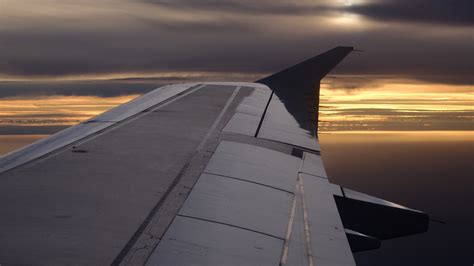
415	72
408	95
421	39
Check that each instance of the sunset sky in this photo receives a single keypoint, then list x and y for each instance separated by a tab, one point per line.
415	72
64	61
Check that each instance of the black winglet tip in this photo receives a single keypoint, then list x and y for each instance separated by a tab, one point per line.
310	71
350	49
343	47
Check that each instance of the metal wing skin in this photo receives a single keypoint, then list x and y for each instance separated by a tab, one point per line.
224	173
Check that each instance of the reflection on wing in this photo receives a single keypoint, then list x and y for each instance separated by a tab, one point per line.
202	174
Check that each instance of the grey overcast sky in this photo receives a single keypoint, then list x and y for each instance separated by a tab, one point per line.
423	39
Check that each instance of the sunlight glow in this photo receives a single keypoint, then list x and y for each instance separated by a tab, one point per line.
340	137
396	105
55	110
348	3
386	105
345	18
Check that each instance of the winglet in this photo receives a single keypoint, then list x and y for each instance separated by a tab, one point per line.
295	84
309	71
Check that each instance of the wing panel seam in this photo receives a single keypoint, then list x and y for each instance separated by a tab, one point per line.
235	226
264	114
300	188
249	181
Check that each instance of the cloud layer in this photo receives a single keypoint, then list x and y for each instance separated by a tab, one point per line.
418	39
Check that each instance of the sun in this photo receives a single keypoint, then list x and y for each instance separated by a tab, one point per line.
346	18
348	3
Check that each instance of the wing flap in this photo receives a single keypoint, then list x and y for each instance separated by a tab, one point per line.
196	242
379	218
262	191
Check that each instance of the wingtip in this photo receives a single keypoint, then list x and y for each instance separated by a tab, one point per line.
314	68
346	47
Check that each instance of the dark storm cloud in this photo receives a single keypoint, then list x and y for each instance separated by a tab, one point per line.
229	39
459	12
64	53
245	7
112	88
216	26
30	130
147	48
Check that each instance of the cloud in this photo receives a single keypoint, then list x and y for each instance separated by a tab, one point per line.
30	130
425	11
246	7
67	38
106	88
458	13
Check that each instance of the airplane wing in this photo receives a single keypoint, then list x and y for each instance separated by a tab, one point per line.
220	173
